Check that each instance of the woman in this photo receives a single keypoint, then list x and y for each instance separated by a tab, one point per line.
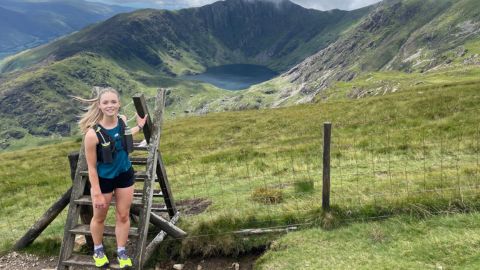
109	169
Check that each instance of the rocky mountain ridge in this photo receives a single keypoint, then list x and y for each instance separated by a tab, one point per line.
409	36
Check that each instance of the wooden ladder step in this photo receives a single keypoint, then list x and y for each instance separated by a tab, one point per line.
87	200
159	208
137	147
139	176
156	193
87	261
138	160
84	229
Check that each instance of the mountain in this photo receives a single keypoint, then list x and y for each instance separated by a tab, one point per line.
316	51
399	35
27	24
189	40
142	50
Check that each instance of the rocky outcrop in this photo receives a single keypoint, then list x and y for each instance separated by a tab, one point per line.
398	35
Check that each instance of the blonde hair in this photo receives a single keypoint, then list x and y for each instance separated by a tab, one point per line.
93	115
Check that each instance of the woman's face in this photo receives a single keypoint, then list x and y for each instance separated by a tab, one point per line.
109	104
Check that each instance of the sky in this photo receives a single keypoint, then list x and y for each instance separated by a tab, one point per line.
176	4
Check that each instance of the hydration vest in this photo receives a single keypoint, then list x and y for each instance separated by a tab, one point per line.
106	149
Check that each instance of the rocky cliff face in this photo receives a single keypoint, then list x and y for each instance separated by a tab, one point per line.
396	35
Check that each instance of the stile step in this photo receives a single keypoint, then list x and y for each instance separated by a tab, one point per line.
137	201
142	176
84	229
139	147
138	160
139	176
156	193
156	208
87	200
87	261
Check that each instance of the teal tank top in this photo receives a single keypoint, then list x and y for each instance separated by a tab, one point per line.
121	163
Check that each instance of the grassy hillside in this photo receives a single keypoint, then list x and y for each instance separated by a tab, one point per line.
411	151
39	103
442	242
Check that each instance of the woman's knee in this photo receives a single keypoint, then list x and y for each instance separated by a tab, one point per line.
122	216
99	218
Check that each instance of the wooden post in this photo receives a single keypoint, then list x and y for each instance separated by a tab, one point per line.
142	110
327	134
162	223
158	239
138	259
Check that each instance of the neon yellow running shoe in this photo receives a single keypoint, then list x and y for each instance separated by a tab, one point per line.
123	259
100	259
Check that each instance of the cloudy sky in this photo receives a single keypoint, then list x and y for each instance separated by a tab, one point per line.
176	4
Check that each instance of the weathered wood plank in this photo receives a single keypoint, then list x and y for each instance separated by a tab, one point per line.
139	193
84	229
87	200
165	186
144	214
73	210
142	110
138	160
86	212
87	261
159	238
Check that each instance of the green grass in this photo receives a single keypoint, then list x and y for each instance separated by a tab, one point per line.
416	148
440	242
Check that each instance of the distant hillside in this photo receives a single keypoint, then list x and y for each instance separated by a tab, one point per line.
189	40
318	52
142	50
408	35
27	24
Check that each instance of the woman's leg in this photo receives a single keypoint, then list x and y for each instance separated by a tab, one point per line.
97	224
123	197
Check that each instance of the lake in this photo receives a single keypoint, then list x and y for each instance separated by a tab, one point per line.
234	77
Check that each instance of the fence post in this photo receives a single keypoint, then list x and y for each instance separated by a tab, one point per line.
327	134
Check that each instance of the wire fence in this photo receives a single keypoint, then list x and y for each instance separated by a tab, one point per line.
275	183
271	182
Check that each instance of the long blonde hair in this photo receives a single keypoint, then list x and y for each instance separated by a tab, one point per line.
93	115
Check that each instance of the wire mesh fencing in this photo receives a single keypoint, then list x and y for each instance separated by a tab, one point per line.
278	181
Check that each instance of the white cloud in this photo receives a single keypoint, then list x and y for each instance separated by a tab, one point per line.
175	4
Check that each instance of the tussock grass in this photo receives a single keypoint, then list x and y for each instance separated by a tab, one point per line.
439	242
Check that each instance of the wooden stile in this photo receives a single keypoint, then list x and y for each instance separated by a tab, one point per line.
141	207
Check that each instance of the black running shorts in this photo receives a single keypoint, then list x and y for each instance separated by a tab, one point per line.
123	180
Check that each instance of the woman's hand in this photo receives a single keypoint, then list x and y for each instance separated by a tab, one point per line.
141	121
99	201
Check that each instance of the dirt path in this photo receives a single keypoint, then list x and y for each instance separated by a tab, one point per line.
23	261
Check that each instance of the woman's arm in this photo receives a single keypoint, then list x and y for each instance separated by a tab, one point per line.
91	142
140	123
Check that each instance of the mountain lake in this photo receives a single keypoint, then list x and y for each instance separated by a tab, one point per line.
235	76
